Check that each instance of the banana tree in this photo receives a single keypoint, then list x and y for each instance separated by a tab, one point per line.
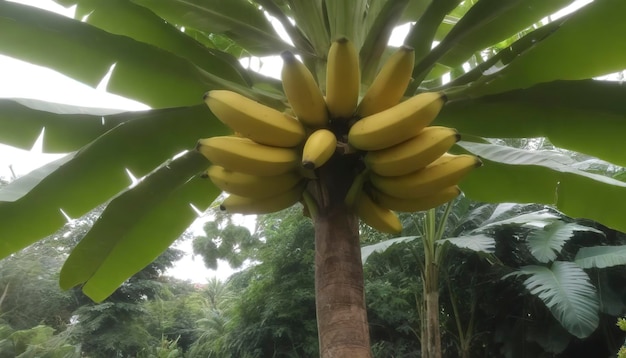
514	71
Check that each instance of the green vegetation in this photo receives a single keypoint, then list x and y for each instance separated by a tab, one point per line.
535	281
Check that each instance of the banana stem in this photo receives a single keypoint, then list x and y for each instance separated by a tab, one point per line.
440	231
311	204
429	235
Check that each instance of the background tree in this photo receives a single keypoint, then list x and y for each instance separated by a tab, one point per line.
115	327
479	306
41	319
272	312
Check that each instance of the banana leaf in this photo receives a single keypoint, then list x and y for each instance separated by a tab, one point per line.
97	172
523	176
587	116
143	72
567	291
570	53
138	225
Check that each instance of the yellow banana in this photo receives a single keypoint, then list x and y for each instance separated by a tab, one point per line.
396	124
444	172
303	93
414	153
318	148
252	186
246	156
390	83
246	205
254	120
343	79
416	204
376	216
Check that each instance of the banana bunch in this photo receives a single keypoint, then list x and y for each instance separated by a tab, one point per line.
402	161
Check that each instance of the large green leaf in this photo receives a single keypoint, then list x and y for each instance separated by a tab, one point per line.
532	219
421	35
583	47
240	20
586	116
522	176
122	17
504	56
67	128
414	10
346	18
283	15
144	72
377	38
367	250
22	185
566	290
601	256
546	242
138	225
98	171
311	20
478	243
491	21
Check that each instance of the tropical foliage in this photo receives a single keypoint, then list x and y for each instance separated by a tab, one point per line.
513	69
484	311
267	308
527	77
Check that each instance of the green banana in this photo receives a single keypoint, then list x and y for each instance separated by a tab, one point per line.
356	189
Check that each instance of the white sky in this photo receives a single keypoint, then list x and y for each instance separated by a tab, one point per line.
20	79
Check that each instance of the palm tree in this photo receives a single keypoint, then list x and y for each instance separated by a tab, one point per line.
536	80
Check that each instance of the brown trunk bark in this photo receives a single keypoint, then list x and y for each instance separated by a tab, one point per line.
431	337
339	290
340	299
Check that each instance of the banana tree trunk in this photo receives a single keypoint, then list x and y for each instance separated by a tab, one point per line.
339	290
431	338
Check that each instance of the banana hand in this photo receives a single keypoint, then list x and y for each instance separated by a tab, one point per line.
376	216
246	156
245	205
252	186
442	173
413	154
253	120
396	124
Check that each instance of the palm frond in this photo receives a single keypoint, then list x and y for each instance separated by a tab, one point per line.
601	256
567	292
